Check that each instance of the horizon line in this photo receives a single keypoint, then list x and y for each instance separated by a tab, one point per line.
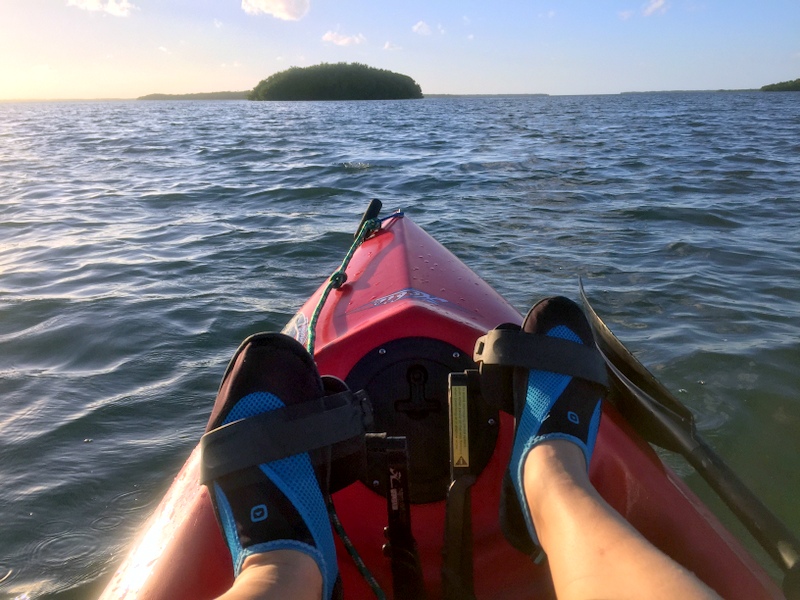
432	94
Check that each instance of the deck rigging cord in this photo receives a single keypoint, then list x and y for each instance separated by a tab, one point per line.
351	550
339	276
335	281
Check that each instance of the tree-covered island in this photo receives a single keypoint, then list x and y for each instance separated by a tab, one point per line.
783	86
340	81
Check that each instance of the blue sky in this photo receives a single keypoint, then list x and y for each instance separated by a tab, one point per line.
128	48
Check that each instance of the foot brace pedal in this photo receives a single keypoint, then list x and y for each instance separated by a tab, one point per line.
401	548
457	567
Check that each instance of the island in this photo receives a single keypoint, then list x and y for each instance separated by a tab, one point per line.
200	96
339	81
783	86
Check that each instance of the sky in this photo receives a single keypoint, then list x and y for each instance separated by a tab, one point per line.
88	49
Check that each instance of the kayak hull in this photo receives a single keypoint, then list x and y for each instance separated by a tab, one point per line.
403	285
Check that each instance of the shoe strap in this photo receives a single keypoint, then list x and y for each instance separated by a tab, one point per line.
515	348
276	434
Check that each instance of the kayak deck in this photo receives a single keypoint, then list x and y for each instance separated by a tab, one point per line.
404	292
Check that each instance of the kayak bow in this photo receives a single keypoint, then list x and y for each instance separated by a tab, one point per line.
406	316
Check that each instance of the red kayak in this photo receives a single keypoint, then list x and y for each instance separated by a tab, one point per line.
409	314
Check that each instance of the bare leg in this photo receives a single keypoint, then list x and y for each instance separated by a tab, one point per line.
593	552
278	574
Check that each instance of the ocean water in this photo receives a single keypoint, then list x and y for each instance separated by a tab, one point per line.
141	241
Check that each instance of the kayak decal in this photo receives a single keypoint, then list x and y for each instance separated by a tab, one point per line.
297	328
406	294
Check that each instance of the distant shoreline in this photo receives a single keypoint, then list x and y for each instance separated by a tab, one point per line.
243	96
692	91
200	96
483	95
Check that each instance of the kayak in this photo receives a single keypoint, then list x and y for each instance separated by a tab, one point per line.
404	314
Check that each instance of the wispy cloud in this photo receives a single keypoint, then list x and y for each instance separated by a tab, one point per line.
217	23
117	8
390	46
422	28
626	14
655	6
343	40
287	10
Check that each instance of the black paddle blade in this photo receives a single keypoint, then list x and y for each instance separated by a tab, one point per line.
655	413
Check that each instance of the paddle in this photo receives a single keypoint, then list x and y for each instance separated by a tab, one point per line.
663	420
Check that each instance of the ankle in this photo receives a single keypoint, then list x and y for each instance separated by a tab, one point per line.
278	573
285	567
554	456
553	468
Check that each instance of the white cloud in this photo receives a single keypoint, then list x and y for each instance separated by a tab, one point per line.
550	14
441	29
391	46
422	28
654	6
343	40
117	8
217	23
626	14
164	50
288	10
471	37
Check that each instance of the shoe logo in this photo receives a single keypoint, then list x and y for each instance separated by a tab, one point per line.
574	418
258	513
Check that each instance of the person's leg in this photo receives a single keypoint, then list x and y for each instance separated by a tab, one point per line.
592	551
548	498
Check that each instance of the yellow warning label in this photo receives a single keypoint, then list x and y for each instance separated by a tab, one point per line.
459	422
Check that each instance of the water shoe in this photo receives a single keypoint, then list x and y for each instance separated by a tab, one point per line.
267	452
558	382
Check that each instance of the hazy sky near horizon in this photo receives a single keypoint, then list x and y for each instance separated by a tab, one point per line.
128	48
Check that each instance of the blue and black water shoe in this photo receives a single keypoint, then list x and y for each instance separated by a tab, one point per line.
557	385
274	433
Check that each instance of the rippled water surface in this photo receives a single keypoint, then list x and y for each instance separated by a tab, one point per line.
140	242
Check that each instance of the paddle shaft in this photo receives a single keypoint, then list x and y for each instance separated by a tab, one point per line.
773	536
782	546
664	423
765	527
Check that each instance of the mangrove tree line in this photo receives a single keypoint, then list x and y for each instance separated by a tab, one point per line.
783	86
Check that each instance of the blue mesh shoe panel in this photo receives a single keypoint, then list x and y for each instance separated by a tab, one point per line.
544	388
294	477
